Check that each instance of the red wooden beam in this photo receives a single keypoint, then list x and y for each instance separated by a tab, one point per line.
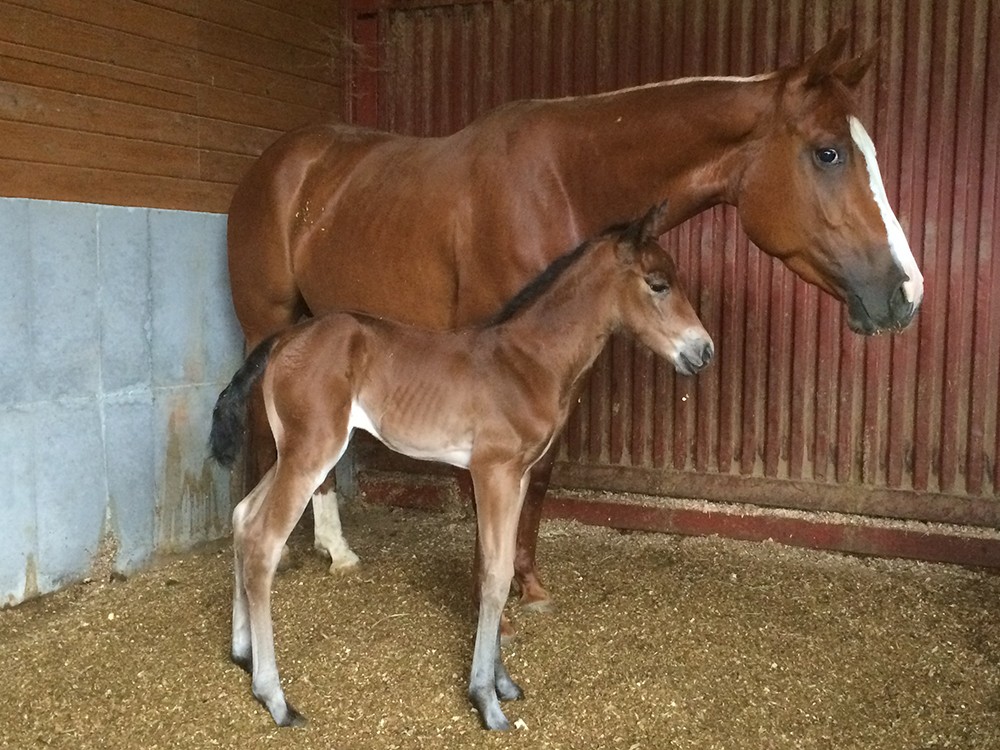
867	536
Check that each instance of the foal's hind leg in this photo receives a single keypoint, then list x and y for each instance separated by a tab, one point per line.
240	649
263	529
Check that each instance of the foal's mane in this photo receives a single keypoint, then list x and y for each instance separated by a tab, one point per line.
544	280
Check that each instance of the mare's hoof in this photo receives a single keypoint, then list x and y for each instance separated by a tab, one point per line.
507	631
344	562
286	561
342	559
538	606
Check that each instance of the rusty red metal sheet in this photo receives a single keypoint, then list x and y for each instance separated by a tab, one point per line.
797	411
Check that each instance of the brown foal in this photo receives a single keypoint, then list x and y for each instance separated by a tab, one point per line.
490	398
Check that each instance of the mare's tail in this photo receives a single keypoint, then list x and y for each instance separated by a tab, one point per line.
230	414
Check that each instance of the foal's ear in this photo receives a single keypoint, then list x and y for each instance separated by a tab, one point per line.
654	223
823	61
850	72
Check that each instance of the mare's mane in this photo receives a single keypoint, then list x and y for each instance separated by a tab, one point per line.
544	280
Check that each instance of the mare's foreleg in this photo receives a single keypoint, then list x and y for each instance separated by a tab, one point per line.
534	597
499	494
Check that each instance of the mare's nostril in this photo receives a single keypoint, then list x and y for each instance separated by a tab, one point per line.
900	306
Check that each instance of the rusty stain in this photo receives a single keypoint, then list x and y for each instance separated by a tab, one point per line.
186	509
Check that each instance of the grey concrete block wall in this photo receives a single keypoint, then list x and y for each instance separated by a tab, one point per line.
117	335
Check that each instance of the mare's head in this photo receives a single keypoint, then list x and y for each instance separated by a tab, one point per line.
652	303
812	194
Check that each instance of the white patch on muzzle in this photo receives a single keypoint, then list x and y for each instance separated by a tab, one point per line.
898	246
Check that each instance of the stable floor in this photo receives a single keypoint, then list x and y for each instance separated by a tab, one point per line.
658	642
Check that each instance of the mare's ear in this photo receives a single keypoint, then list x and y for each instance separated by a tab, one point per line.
654	223
850	72
823	61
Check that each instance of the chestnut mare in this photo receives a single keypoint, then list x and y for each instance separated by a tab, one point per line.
439	232
489	398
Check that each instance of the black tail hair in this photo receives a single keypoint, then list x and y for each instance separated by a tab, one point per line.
230	414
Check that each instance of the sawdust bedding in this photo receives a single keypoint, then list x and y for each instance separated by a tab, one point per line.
657	642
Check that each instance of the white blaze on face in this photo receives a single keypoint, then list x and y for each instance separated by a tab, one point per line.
898	246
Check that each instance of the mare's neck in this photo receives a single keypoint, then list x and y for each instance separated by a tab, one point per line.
686	141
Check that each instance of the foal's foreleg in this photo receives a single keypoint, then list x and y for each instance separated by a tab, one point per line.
499	493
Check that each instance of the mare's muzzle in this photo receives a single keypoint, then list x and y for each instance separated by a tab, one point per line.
873	310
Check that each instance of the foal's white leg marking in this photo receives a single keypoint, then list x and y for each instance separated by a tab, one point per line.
900	248
329	536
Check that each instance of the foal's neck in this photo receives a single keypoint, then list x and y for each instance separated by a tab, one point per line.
687	140
567	326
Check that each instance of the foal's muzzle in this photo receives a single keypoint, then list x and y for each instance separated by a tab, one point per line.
694	355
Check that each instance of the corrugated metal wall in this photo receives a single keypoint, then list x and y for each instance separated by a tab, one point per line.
797	411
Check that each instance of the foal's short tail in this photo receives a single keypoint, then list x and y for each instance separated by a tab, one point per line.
230	414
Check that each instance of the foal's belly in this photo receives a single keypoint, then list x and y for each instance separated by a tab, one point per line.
431	443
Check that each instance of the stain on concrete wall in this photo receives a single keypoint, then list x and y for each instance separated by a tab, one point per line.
117	335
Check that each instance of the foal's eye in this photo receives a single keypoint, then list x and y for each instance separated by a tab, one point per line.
827	157
657	286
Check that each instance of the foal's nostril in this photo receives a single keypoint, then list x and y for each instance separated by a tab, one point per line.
707	353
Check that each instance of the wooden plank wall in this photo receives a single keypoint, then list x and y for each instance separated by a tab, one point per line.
160	103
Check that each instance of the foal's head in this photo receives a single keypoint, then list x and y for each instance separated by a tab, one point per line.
652	303
812	194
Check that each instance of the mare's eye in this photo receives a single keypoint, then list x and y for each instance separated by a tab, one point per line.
827	157
657	286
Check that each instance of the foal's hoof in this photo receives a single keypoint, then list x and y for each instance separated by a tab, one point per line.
490	714
292	718
285	716
509	691
243	662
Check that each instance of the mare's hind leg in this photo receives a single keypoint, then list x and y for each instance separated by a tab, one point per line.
260	529
328	534
499	493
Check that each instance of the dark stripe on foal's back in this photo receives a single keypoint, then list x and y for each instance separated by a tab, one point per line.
544	281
